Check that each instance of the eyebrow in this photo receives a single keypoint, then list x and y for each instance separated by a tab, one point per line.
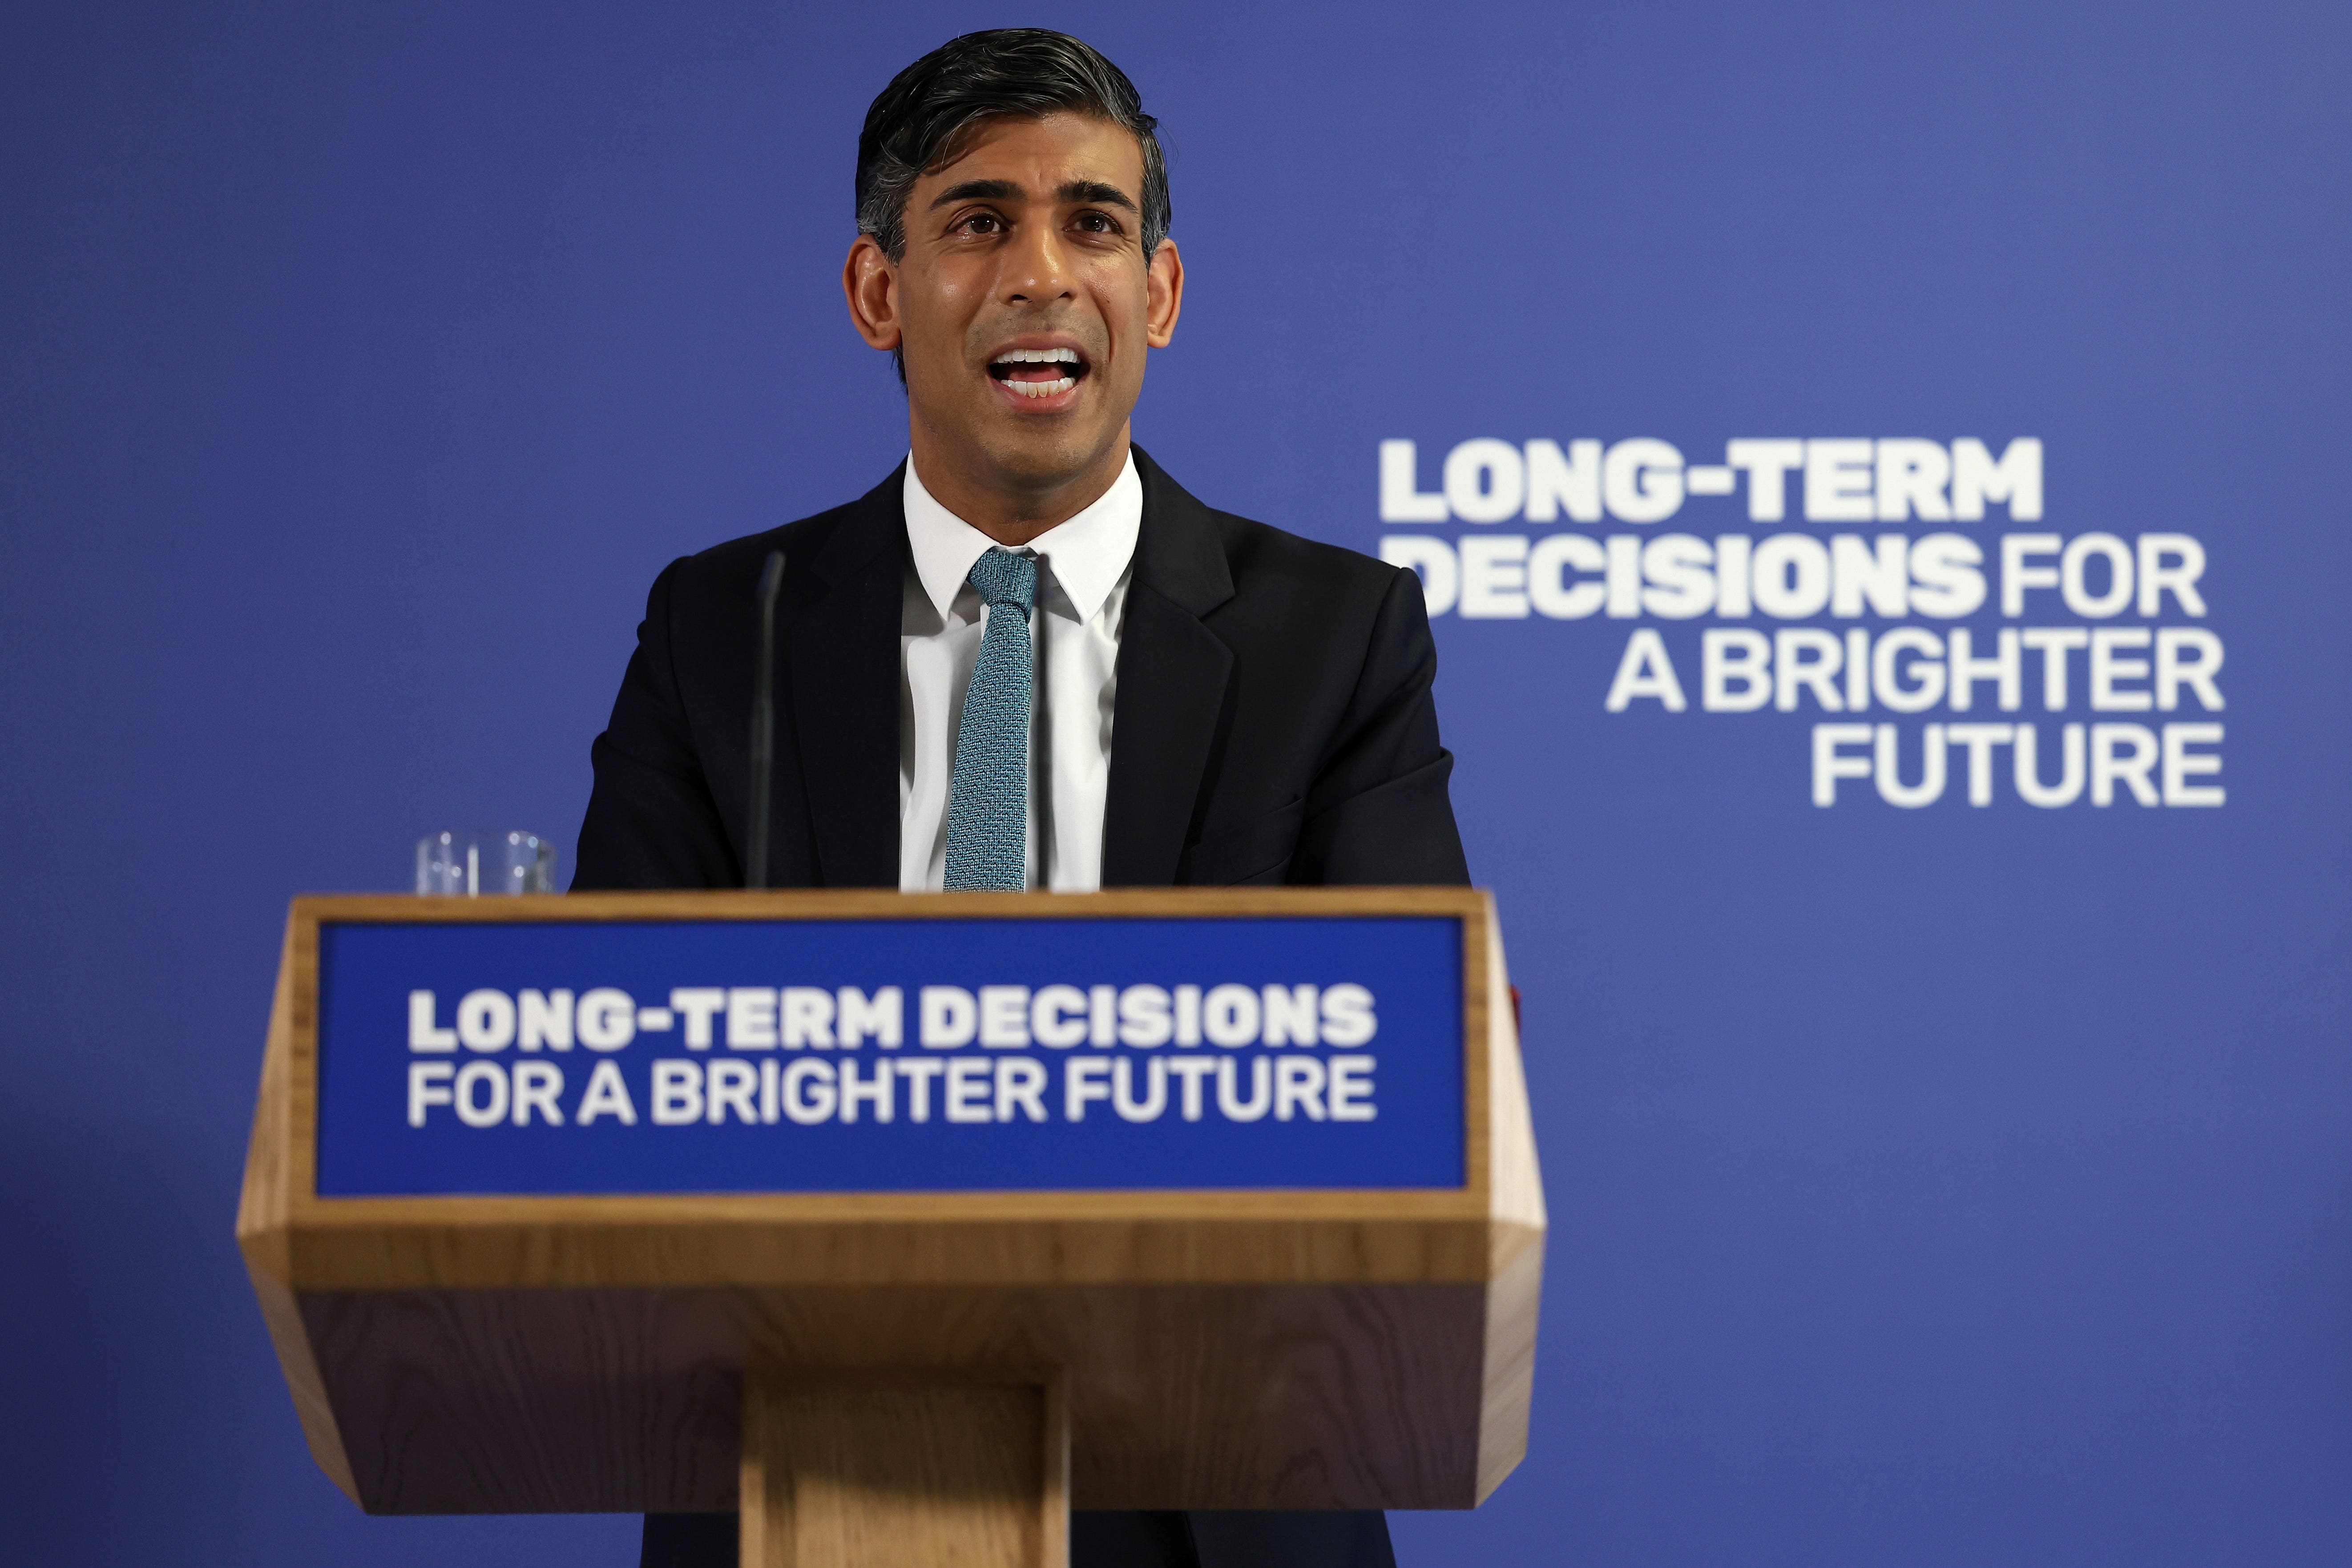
1093	191
978	190
1096	192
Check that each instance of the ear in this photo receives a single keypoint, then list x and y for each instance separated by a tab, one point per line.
870	281
1166	300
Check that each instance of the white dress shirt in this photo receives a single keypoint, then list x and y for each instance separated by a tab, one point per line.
1083	567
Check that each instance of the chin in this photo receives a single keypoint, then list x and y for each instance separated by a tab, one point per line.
1041	457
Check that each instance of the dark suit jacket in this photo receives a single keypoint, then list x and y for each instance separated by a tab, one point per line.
1273	720
1273	724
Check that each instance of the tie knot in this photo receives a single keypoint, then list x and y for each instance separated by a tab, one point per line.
1004	578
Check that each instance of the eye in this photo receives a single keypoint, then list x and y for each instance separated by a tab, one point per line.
1097	223
981	222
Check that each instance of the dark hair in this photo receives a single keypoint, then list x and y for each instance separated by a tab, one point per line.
1023	71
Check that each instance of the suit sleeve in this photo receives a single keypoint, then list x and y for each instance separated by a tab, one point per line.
1378	811
651	820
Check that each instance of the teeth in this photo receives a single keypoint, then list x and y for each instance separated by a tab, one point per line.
1038	356
1043	388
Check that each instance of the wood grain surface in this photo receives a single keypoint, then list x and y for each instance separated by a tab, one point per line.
1515	1256
1215	1396
1216	1349
908	1472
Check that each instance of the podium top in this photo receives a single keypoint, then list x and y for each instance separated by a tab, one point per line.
624	1069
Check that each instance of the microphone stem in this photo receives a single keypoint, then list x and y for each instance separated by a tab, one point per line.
763	725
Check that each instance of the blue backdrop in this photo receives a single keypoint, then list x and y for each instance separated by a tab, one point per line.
1948	1186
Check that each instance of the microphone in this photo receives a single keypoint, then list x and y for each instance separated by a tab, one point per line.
764	724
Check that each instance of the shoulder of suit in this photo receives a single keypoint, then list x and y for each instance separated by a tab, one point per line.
733	567
1259	553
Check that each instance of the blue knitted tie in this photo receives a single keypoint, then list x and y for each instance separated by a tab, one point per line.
988	802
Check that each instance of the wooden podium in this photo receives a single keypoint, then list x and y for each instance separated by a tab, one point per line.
511	1265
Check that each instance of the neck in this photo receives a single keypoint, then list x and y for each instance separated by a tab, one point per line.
1013	515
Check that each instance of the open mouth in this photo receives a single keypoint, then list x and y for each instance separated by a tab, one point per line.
1038	372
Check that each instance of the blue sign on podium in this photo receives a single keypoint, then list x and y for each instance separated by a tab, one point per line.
963	1054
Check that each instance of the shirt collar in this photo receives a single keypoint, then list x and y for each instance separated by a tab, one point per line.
1086	554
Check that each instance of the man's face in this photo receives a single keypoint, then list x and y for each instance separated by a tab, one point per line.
1023	302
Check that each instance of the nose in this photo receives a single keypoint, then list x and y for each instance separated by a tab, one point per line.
1036	267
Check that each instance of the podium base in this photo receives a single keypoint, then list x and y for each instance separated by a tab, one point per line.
918	1471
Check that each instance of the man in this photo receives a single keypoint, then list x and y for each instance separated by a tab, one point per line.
1028	659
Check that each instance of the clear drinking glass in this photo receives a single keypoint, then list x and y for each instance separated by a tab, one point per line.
470	864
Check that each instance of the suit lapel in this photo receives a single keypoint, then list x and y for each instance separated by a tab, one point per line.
844	685
1172	674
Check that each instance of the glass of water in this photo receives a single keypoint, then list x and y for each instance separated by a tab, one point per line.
470	864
